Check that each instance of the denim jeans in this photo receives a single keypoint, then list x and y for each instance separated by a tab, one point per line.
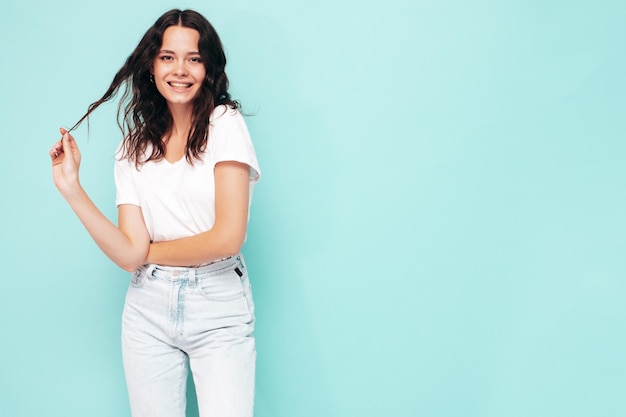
199	318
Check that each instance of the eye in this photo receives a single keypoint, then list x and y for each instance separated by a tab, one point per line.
196	59
165	58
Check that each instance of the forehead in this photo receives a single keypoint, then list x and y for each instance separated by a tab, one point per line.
180	38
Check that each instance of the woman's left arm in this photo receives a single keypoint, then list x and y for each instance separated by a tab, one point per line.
229	231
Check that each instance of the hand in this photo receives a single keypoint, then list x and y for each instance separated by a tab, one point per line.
65	163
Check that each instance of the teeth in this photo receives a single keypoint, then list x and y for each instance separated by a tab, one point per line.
180	84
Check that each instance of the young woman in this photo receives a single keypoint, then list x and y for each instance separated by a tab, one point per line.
184	174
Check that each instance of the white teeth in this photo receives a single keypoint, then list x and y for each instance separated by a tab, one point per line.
181	85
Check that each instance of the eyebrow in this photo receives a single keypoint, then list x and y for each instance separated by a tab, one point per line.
167	51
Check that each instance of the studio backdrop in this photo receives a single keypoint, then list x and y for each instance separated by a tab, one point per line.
440	226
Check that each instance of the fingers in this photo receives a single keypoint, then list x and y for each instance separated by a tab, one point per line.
68	142
71	141
67	145
64	133
56	150
65	139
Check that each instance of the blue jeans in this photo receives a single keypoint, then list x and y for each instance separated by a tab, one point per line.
197	317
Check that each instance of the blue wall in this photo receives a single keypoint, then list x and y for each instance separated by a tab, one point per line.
440	227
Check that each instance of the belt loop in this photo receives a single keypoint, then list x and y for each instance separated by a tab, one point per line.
242	263
192	277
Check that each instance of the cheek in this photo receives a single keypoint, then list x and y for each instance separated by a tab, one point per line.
159	84
159	71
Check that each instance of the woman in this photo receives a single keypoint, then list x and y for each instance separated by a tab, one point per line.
184	175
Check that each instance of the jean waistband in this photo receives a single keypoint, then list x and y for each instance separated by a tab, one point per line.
178	273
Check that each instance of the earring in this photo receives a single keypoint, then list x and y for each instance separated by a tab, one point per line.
151	79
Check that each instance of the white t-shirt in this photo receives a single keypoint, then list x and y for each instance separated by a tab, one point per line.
178	199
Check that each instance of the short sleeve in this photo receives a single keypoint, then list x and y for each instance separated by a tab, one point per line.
125	191
229	140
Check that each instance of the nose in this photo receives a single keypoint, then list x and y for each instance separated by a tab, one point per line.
180	68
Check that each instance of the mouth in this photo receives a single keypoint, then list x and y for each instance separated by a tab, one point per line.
179	84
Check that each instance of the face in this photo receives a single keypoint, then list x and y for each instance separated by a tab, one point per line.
178	69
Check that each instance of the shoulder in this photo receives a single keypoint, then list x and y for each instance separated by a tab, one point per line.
224	114
230	140
121	157
227	124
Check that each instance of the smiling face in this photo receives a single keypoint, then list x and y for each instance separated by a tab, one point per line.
178	68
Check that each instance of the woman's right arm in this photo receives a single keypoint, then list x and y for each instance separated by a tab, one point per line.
127	244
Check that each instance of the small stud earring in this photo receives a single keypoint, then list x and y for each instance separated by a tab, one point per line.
151	79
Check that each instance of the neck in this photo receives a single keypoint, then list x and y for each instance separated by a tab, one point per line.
181	121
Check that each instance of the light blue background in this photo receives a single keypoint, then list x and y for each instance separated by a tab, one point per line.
440	226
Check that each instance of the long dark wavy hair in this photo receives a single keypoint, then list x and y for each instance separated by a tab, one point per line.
143	115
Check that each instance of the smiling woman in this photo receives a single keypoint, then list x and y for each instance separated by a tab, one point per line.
184	175
178	70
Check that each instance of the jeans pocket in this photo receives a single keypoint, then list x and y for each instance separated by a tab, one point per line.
225	286
138	278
